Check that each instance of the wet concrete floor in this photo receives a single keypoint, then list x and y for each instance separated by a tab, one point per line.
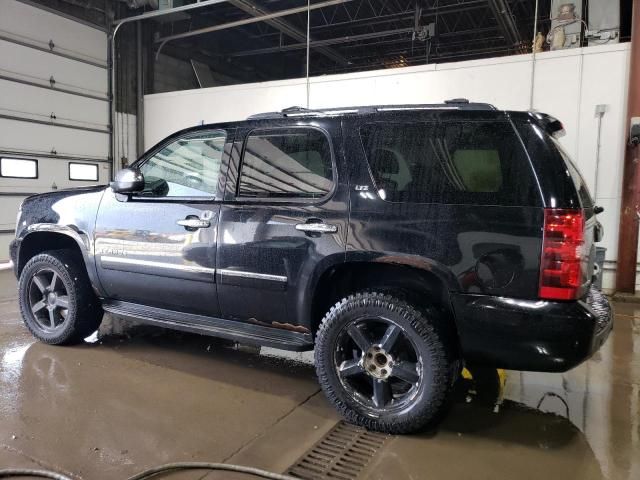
108	409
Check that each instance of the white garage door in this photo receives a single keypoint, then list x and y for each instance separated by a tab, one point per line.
54	109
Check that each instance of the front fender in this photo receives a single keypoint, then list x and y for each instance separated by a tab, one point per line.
70	214
82	239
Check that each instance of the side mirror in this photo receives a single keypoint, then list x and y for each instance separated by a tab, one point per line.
128	180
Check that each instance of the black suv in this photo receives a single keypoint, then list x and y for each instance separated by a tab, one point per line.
398	241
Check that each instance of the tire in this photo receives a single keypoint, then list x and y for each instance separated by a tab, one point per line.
384	364
56	281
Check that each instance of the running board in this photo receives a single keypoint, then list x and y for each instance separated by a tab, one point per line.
241	332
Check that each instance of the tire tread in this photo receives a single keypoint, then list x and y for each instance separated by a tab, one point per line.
441	354
84	306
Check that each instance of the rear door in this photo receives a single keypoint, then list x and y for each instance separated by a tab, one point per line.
283	220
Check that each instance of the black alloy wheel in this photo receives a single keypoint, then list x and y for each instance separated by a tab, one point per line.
56	298
384	364
48	299
377	364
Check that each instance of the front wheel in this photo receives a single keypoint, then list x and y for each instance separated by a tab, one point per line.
56	301
384	364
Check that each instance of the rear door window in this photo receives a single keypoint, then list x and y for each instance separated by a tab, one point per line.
478	162
292	163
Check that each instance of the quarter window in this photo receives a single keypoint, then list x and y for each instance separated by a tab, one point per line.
83	171
18	168
286	163
450	162
188	167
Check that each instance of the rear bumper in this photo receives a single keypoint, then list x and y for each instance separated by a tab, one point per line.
531	335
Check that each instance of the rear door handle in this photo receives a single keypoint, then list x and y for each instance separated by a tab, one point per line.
316	227
194	223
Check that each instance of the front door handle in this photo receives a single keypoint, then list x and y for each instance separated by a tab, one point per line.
316	227
194	223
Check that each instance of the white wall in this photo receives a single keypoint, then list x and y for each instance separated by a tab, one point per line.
567	84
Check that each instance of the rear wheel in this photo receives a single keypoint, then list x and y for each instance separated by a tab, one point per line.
384	364
57	303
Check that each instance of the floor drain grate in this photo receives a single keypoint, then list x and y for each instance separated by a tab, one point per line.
343	453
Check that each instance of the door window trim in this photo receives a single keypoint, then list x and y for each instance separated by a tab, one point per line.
218	197
287	200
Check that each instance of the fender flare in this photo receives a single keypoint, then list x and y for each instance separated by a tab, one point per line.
82	239
304	302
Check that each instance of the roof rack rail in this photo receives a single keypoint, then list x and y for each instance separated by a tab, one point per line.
453	104
457	100
286	112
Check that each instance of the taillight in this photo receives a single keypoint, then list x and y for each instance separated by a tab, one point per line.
561	262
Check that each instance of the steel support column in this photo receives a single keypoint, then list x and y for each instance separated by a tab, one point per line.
139	92
630	209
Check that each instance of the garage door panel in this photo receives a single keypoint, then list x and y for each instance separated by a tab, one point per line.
22	98
42	65
10	205
23	136
51	171
21	19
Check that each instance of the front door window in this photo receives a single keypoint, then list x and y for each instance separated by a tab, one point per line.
188	167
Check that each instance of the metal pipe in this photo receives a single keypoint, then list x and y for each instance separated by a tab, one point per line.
503	15
168	11
246	21
308	42
248	6
600	114
630	208
111	60
112	108
533	60
140	93
409	14
328	41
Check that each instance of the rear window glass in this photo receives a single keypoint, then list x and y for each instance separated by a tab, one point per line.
453	162
576	176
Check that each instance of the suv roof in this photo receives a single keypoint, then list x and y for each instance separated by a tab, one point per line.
454	104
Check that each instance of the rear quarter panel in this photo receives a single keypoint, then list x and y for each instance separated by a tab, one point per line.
481	249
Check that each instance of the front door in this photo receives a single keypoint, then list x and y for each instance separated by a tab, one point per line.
158	247
284	217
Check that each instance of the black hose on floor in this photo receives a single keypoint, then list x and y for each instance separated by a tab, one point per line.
256	472
25	472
